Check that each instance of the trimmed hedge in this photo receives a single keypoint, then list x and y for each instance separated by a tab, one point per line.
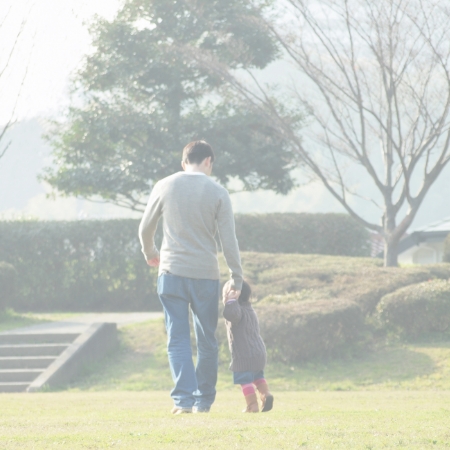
98	266
324	234
78	266
283	283
418	308
369	292
8	285
315	277
298	331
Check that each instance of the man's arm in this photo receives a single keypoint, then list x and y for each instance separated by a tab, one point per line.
147	227
227	234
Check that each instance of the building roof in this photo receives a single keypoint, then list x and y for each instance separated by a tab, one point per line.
436	231
441	225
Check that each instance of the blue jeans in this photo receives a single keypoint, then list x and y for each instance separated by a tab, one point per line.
193	387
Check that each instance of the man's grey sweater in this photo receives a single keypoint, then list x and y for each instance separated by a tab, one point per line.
193	208
248	352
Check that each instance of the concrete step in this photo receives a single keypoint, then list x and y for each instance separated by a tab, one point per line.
19	375
32	349
31	361
26	362
37	338
13	387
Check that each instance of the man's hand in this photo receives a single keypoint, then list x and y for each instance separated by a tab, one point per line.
231	295
153	262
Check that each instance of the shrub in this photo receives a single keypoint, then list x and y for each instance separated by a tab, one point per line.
298	331
78	266
312	305
326	234
315	277
295	329
418	308
8	285
98	265
372	287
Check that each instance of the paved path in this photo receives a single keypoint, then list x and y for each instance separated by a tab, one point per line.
78	324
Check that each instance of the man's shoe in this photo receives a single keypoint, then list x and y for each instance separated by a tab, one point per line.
177	410
200	409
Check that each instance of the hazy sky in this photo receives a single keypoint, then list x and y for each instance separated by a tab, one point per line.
52	43
51	47
54	39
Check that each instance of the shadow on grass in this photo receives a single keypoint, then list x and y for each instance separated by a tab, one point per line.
141	364
389	368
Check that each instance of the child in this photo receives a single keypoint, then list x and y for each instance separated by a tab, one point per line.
248	353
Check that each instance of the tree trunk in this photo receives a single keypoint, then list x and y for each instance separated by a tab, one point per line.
390	251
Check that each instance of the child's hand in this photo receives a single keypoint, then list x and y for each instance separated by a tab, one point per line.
231	295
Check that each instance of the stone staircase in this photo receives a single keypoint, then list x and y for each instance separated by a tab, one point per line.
53	354
25	356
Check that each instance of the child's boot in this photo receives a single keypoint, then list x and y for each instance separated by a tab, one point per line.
252	404
266	397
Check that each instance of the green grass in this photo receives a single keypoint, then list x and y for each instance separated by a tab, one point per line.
141	364
300	420
393	396
10	319
397	397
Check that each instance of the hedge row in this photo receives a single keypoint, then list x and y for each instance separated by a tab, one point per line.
369	293
418	308
8	284
297	327
298	331
78	266
98	265
295	332
324	234
312	305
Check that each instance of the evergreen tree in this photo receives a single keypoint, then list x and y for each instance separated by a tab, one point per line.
143	98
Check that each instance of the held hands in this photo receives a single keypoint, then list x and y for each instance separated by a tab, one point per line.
231	295
153	262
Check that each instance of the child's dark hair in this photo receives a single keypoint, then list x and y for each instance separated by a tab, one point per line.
246	293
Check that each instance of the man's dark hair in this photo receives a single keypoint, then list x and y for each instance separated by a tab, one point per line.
195	152
246	293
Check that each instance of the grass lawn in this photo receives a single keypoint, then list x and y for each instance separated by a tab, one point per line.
397	397
303	420
141	365
10	319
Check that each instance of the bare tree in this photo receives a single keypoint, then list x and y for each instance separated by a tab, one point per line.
375	78
7	55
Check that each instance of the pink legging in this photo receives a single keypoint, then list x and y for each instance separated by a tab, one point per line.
248	389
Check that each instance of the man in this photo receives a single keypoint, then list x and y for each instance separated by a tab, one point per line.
193	208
